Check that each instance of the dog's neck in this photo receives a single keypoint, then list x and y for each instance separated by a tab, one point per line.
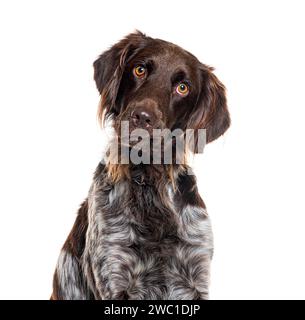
142	174
150	174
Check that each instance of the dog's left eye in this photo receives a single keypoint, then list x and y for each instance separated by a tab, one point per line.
182	89
139	71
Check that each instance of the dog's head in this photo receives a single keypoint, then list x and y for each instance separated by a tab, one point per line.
155	84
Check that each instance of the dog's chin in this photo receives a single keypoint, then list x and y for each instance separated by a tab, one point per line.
150	153
137	143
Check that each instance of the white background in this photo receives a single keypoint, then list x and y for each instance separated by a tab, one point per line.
252	180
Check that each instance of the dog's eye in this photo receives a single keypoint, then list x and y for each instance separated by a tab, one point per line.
182	89
139	71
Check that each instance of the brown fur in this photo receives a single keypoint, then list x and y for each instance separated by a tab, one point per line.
143	232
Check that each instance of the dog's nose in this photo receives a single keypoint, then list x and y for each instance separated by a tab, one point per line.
143	118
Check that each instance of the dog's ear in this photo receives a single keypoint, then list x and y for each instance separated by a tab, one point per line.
211	112
109	68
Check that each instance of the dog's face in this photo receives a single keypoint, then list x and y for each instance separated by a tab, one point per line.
155	84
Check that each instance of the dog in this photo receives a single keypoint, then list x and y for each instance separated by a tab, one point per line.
143	232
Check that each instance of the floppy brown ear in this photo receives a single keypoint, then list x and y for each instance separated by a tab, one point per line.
109	68
211	112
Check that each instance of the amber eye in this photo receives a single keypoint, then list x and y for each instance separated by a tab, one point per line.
182	89
139	71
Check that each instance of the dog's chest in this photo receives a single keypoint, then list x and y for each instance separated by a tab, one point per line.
143	245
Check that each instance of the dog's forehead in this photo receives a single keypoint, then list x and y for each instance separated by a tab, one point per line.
168	55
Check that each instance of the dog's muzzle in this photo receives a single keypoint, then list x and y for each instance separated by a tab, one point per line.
145	114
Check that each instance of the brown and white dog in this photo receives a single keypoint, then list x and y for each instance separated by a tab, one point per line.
143	231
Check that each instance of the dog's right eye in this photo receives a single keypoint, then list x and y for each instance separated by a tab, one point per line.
139	71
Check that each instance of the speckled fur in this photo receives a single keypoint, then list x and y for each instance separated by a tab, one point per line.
142	241
143	231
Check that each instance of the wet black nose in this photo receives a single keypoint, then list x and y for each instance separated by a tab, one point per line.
142	117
